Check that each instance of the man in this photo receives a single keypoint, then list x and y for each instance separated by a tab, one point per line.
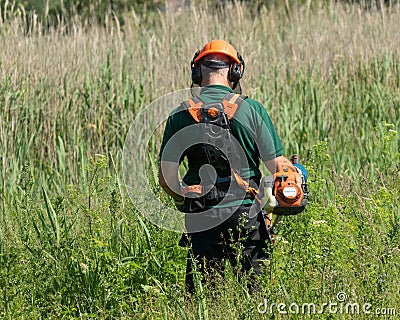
218	189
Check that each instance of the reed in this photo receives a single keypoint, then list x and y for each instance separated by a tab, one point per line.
72	244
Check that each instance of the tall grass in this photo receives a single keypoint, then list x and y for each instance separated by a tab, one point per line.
80	90
72	244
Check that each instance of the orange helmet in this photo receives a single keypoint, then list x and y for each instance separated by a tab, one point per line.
218	46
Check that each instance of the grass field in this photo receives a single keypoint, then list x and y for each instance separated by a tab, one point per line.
73	245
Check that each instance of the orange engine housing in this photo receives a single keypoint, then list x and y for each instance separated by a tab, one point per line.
288	189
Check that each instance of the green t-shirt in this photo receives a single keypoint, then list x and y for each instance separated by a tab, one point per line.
251	126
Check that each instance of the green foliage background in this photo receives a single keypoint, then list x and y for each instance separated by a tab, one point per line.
72	245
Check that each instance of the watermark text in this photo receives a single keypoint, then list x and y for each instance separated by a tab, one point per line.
339	306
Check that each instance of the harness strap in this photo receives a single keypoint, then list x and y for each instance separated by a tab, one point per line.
194	107
245	185
231	103
196	188
268	220
255	192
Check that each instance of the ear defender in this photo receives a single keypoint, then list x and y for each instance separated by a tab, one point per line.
236	70
196	70
235	73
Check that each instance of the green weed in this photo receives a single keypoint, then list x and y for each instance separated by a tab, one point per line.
73	245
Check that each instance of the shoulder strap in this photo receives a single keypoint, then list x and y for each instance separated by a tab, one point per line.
231	103
193	106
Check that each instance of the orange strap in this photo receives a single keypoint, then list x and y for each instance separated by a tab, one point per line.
268	219
245	185
197	188
230	106
194	109
231	103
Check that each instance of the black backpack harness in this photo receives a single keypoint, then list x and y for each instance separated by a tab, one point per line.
220	152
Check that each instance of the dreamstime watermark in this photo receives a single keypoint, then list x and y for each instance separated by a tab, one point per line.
341	305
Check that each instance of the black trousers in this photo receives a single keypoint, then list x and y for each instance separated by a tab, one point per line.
208	248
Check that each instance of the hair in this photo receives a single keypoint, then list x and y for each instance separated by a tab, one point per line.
208	72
